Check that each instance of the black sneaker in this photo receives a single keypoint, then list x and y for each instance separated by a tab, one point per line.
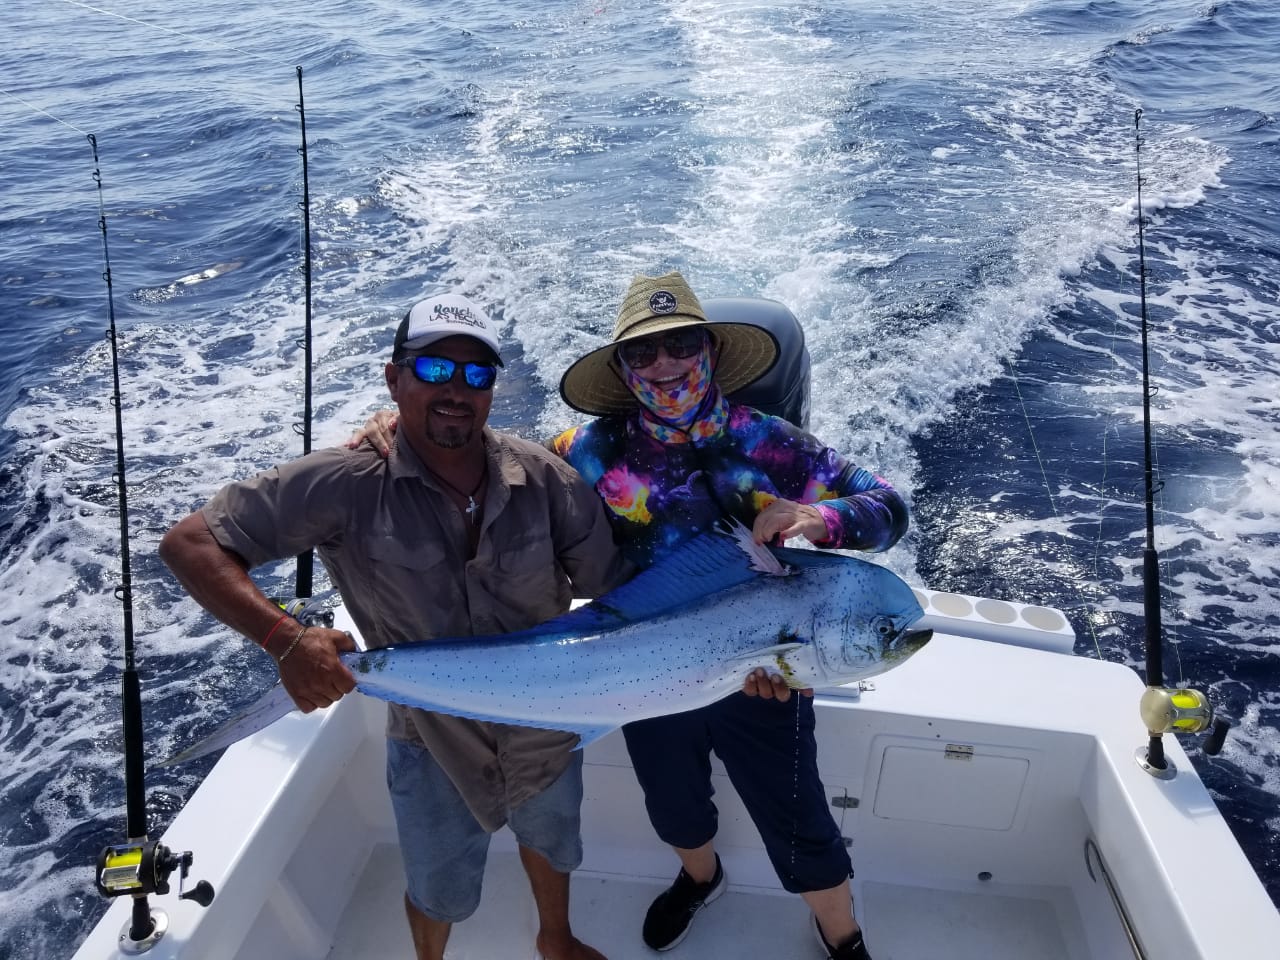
669	916
855	949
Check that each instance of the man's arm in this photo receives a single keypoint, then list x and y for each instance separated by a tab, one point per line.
583	537
218	580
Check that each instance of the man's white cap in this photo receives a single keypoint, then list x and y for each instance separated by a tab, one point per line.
447	315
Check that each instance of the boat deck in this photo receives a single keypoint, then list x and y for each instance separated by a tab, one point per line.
607	910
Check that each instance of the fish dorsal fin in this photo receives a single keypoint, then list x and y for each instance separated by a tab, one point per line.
761	558
693	570
800	557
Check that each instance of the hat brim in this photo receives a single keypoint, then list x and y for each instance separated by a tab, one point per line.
593	384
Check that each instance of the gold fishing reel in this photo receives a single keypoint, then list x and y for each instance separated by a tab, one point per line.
1175	711
1178	711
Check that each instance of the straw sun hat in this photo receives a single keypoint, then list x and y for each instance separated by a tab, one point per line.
594	383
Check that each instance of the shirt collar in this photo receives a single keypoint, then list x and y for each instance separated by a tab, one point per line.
405	463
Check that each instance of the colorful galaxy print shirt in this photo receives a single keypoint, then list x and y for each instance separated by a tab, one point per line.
661	494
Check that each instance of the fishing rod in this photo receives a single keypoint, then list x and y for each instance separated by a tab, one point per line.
302	606
1163	710
139	866
306	560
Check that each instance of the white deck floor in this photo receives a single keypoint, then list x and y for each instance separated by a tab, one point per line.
608	910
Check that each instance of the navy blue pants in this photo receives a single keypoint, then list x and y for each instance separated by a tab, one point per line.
770	754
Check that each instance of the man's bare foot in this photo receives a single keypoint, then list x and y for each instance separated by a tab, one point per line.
566	947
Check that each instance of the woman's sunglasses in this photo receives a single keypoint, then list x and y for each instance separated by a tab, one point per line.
437	370
679	344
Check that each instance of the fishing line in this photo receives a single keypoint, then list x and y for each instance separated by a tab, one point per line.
1106	469
41	110
197	39
1154	487
1053	504
177	33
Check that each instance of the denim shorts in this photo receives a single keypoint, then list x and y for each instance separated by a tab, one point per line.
445	849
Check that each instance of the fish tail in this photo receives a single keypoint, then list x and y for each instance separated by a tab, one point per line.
258	716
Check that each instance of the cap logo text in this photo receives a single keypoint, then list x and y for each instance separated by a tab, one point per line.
460	315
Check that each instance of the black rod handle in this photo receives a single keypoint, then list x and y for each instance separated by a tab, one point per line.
1213	745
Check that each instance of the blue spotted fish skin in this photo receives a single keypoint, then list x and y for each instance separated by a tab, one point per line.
682	634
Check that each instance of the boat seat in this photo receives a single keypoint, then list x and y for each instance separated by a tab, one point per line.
784	390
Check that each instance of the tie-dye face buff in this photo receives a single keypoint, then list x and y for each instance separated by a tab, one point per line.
692	410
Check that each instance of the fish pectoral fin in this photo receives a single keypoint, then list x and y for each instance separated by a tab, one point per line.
589	734
776	650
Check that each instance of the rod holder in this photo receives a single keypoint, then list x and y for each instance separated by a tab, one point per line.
138	869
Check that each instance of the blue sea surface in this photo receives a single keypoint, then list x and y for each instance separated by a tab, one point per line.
944	191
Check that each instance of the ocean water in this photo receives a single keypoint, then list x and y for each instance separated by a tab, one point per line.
943	191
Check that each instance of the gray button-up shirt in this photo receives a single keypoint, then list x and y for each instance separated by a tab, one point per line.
396	548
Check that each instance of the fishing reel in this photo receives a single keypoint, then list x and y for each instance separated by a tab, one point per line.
1177	711
143	868
308	611
138	869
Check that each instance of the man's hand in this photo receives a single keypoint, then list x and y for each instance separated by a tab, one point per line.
219	581
770	686
379	430
311	672
787	519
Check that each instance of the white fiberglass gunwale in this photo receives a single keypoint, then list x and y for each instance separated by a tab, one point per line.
988	791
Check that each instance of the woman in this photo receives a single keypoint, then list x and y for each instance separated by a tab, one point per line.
670	456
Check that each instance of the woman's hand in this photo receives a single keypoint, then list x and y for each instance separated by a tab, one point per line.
768	686
787	519
379	430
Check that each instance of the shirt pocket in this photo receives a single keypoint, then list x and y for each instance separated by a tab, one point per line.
414	587
525	554
525	581
393	552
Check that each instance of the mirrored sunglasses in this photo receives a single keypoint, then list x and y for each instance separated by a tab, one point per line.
679	344
437	370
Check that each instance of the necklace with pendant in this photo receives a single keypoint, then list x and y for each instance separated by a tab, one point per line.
473	508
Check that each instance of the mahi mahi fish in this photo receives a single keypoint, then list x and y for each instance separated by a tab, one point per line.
681	634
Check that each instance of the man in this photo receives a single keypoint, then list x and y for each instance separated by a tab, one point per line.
459	531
